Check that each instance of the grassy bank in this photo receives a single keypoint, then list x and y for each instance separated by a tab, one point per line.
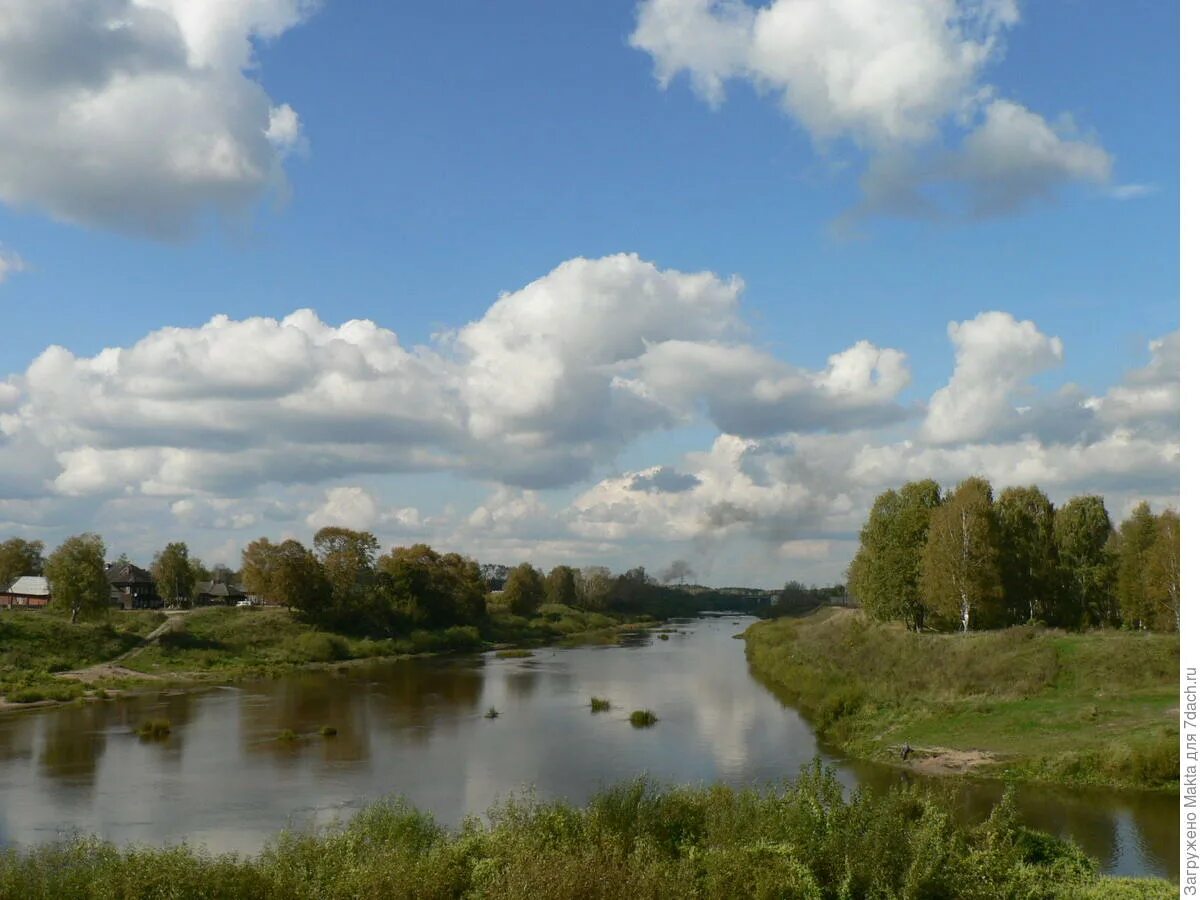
1028	703
800	840
223	643
36	645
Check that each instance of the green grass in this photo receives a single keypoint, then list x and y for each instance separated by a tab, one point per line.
328	731
287	736
642	718
801	839
601	704
516	653
224	643
1092	708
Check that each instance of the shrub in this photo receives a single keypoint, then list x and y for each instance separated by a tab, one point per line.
318	646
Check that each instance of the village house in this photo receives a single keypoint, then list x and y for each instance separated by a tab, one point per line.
27	592
131	587
216	593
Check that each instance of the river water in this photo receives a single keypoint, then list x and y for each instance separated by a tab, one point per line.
418	728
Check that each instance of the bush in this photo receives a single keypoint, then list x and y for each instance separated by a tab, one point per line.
318	646
799	839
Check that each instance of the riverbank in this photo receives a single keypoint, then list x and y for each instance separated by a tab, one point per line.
1097	708
45	659
799	839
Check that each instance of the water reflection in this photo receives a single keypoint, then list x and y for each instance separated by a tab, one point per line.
418	728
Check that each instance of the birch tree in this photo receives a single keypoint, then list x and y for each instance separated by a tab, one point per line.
1162	571
1082	530
1027	558
76	575
885	574
960	579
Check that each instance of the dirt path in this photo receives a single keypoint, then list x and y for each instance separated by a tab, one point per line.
113	669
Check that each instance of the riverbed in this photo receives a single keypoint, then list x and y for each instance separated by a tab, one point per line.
419	728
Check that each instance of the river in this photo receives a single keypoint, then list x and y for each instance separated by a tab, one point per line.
418	728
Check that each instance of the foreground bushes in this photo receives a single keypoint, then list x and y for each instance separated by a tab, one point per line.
800	840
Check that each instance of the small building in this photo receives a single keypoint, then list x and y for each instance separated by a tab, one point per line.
27	592
216	593
131	587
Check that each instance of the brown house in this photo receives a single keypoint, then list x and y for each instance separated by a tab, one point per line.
215	593
27	592
131	587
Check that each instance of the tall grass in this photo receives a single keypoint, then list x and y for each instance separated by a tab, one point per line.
1080	708
802	839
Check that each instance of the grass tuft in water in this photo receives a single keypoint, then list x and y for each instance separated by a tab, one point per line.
287	735
155	729
492	713
328	731
514	654
642	718
601	704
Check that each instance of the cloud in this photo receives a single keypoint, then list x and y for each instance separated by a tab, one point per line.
664	479
553	380
141	116
10	264
994	355
1146	395
894	79
353	506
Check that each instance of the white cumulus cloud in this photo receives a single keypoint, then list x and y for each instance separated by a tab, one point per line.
895	79
140	115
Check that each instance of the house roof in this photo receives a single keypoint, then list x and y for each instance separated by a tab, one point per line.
127	573
218	589
30	586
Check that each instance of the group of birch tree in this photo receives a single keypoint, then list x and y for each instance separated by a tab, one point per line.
968	560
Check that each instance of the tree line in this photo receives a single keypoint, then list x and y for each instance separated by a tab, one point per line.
344	583
967	560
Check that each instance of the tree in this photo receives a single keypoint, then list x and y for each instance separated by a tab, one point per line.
19	557
1028	562
1131	549
885	574
593	587
1162	571
1082	530
560	586
200	573
258	558
348	558
173	573
524	591
76	575
959	575
421	586
297	580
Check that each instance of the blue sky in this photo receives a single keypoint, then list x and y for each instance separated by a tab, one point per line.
451	152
